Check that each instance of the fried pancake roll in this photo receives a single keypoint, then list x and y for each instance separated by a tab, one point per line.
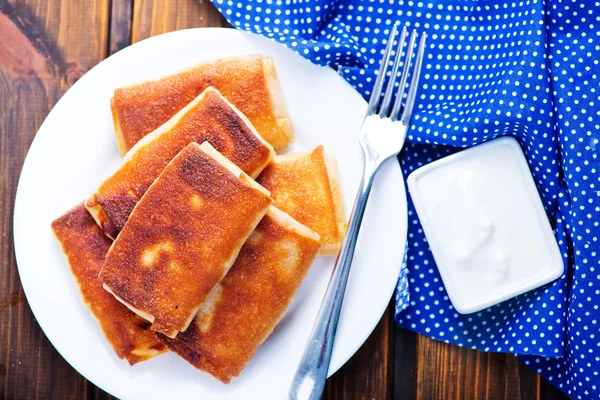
305	185
243	309
249	82
209	117
182	237
85	247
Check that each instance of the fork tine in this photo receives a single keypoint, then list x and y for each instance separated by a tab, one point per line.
387	98
376	94
412	91
404	76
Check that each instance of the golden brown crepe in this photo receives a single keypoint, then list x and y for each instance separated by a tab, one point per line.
182	237
85	246
210	118
305	186
249	82
243	309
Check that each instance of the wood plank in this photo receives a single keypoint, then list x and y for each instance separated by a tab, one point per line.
120	25
451	372
530	382
153	17
369	374
39	59
405	360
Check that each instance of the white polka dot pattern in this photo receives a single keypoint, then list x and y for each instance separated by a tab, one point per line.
522	68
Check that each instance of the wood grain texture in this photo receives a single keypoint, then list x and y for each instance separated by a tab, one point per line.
369	374
405	361
45	46
153	17
451	372
121	13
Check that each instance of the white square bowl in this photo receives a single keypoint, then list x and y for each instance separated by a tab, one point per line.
485	224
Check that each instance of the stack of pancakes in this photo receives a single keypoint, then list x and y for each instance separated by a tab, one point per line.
200	240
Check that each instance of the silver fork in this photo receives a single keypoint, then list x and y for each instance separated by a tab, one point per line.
381	137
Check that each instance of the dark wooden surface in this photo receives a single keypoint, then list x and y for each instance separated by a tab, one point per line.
45	46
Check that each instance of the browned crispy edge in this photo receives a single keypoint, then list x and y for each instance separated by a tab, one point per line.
133	356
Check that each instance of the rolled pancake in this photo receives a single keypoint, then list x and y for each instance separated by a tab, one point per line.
209	117
244	308
249	82
182	237
305	186
85	246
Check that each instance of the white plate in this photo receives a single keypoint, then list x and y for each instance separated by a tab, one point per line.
75	150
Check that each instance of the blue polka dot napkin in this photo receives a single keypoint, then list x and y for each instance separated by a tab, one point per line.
522	68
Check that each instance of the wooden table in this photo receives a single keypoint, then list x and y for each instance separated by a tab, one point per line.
45	46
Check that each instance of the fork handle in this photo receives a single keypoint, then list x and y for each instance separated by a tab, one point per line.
311	374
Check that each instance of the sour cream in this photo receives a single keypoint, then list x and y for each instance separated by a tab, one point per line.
485	224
